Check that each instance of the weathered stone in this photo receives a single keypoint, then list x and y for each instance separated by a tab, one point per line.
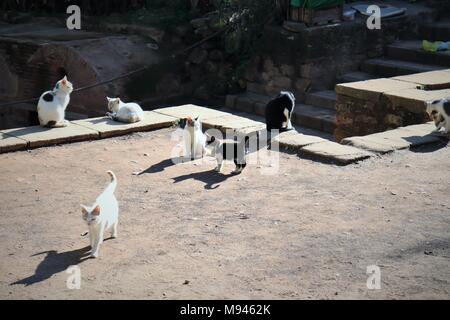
269	67
282	82
372	89
216	55
37	136
287	70
393	120
230	101
400	138
414	99
373	145
9	143
294	140
335	152
306	70
433	80
198	56
109	128
191	110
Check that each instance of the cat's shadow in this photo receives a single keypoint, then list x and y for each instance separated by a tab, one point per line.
159	167
55	262
210	178
107	120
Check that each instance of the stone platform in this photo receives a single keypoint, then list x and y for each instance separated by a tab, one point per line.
353	149
372	106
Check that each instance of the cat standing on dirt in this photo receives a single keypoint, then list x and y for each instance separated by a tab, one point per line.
103	215
124	112
234	150
52	105
193	137
439	111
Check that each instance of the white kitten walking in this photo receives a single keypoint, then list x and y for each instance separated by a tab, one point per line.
52	105
103	215
124	112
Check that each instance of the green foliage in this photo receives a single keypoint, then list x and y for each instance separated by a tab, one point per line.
242	41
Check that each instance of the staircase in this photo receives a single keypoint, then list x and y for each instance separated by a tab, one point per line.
318	111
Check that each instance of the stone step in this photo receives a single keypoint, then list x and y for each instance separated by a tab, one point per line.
436	31
355	77
322	119
325	99
413	51
390	68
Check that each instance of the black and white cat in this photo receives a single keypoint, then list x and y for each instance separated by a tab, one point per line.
52	105
234	151
279	111
439	111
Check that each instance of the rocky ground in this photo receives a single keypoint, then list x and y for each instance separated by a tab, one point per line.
309	231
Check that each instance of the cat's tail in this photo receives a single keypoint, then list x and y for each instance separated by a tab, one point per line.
113	184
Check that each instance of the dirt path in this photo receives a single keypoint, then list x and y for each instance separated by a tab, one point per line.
188	233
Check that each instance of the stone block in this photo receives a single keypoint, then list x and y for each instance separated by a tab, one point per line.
109	128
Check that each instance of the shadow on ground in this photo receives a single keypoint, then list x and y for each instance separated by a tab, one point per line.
55	262
210	178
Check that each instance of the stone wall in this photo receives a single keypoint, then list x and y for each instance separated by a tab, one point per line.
378	105
313	58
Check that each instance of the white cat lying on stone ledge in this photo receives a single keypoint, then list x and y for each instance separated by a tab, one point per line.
124	112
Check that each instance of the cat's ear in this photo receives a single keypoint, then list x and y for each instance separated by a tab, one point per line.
117	100
84	210
109	99
64	80
96	211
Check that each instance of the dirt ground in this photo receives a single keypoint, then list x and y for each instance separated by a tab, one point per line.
185	232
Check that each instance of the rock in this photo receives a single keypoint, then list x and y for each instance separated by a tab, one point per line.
283	82
287	70
211	67
216	55
393	120
198	56
182	30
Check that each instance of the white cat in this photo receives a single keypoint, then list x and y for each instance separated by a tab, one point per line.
124	112
103	214
52	105
439	112
193	137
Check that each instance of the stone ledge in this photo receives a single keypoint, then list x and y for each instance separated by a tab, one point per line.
372	89
191	110
433	80
296	141
9	143
414	99
109	128
397	139
335	152
37	136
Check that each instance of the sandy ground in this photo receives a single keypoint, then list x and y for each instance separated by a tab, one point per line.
185	232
